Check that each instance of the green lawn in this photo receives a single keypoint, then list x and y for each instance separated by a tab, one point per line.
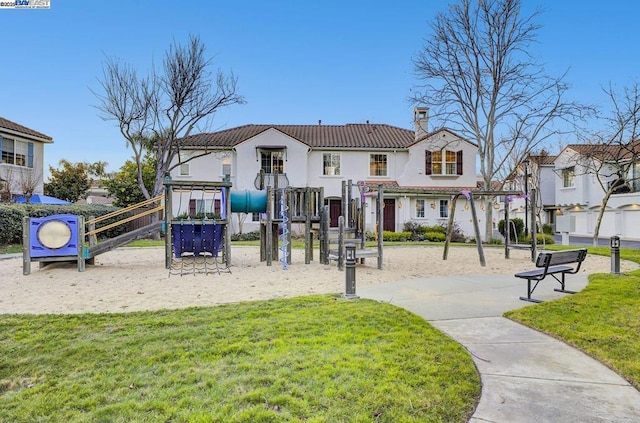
309	359
603	320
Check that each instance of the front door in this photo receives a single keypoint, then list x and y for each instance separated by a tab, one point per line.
389	215
335	210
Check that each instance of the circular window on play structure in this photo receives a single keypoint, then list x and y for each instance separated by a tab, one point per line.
54	234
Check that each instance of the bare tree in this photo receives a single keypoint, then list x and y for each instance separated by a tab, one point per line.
613	155
7	181
478	77
165	105
30	179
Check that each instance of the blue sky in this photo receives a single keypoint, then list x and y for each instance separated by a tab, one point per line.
296	61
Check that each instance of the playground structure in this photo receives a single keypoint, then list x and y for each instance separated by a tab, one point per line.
284	207
197	236
71	238
351	227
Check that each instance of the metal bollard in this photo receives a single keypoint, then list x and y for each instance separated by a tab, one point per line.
350	272
615	255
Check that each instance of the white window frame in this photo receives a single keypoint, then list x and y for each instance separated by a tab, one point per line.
226	166
331	160
420	208
444	209
376	164
569	177
185	169
19	154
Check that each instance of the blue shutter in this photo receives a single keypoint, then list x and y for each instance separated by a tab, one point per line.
30	155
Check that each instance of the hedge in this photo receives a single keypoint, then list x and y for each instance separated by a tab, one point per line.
11	216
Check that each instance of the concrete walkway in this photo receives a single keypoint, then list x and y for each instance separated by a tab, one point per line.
526	376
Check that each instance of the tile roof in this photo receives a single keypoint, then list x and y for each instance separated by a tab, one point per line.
365	135
394	186
544	159
12	126
608	151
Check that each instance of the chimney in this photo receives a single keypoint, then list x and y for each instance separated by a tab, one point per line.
420	120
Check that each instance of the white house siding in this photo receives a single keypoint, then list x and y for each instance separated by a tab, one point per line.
19	172
630	223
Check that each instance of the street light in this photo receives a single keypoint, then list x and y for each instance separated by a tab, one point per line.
526	196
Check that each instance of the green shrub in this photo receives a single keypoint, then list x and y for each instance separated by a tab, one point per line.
547	229
247	236
436	228
435	236
541	239
11	224
396	236
518	223
495	241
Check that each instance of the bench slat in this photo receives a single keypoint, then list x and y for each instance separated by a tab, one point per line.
540	272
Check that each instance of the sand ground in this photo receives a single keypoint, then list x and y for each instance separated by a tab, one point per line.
131	279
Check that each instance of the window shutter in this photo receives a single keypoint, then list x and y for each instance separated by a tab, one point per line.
192	208
29	154
459	162
427	162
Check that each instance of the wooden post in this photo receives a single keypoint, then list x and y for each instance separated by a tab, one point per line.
534	241
26	244
447	239
507	230
325	235
349	215
344	199
226	253
380	224
80	241
308	240
341	242
269	226
168	216
474	216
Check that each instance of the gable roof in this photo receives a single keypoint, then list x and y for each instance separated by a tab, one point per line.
443	129
23	130
315	136
543	159
611	152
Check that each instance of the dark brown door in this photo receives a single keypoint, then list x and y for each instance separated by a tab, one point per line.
389	215
335	210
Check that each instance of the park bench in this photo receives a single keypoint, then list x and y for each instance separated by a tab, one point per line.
553	263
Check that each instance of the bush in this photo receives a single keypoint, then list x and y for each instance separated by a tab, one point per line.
11	224
547	229
396	236
542	239
518	223
435	236
247	236
437	228
495	241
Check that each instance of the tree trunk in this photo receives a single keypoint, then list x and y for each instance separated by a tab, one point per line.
603	207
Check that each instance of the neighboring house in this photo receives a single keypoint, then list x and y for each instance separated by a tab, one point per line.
540	172
22	158
409	164
579	195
